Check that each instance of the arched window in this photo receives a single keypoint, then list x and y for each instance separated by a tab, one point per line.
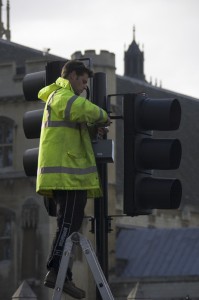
6	142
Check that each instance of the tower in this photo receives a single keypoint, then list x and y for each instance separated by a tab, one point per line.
102	62
3	31
134	61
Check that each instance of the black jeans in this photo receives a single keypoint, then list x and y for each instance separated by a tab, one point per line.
70	214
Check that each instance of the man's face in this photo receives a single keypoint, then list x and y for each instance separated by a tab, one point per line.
78	83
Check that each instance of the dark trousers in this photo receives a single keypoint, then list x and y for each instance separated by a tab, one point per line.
70	214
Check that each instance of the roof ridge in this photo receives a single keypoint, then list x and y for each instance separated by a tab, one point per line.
20	46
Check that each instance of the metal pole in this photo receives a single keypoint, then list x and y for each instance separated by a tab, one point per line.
101	204
101	219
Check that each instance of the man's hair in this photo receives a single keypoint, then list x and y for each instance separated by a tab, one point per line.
77	66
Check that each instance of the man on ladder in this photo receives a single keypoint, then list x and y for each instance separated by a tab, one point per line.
67	172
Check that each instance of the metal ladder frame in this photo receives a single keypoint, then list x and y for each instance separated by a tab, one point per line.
77	238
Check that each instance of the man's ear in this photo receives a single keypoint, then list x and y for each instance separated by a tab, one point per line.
72	75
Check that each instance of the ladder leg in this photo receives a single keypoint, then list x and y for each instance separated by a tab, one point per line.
95	267
63	269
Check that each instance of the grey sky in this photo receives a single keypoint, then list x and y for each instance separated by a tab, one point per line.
168	29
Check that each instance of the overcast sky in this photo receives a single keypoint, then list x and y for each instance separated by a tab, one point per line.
167	29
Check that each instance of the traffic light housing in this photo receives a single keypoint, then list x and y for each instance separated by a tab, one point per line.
143	154
32	120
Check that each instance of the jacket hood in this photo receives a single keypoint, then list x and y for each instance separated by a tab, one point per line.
45	92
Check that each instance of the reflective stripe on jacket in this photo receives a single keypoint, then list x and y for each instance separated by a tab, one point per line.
66	159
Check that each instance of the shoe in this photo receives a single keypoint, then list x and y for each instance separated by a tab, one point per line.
68	288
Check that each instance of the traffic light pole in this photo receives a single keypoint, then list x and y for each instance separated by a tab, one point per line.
101	204
101	220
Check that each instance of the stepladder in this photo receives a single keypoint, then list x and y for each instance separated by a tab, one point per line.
78	239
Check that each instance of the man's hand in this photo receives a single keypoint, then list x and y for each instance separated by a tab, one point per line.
108	122
102	128
101	131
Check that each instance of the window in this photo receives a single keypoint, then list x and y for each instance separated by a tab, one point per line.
6	142
6	217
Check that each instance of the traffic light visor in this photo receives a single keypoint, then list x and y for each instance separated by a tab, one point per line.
32	84
158	114
159	154
30	161
32	123
158	193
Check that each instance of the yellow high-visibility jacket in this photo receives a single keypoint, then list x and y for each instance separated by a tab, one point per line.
66	160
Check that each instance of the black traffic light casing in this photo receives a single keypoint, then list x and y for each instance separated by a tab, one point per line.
32	120
143	154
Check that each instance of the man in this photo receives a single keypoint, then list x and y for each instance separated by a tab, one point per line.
66	165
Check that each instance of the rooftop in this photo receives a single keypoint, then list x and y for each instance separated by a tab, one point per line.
157	252
10	52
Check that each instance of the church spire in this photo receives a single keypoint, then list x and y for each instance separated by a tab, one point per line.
4	31
133	32
8	21
1	24
134	60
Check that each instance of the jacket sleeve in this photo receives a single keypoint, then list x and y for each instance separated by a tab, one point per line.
78	109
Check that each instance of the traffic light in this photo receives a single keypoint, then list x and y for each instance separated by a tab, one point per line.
32	83
143	154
